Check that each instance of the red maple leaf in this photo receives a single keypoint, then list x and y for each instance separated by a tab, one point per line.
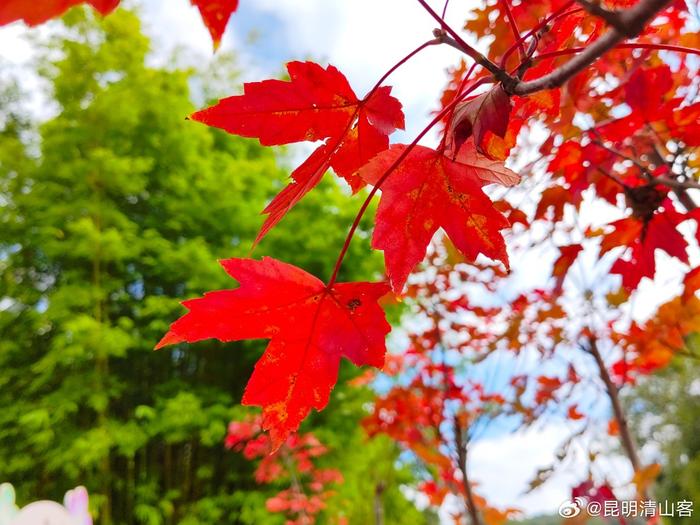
34	13
643	238
310	327
315	104
216	14
428	191
489	111
567	257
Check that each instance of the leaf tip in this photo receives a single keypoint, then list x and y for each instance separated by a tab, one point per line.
168	339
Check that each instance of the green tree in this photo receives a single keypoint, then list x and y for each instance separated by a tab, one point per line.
111	211
666	415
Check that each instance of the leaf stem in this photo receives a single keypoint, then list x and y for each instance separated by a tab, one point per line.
514	29
424	45
444	9
559	12
457	41
355	224
630	45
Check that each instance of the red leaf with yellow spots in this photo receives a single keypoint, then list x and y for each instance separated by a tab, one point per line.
428	191
310	327
316	104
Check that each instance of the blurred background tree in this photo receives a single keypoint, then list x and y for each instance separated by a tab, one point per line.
666	417
111	211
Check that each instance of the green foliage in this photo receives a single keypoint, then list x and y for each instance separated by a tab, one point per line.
666	413
114	210
372	486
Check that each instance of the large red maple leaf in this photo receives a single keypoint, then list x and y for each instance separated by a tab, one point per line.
310	327
315	104
427	191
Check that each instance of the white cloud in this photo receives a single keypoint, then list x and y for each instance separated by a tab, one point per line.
504	466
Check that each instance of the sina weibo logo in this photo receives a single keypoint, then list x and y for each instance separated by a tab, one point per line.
572	508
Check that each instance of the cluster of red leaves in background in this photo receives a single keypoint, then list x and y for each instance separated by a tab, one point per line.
292	463
215	13
651	345
431	403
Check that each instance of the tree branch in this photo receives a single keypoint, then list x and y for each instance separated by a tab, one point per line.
498	73
677	185
633	19
685	199
449	36
611	17
462	445
626	436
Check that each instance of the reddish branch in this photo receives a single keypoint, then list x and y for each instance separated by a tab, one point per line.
514	28
633	20
624	24
562	11
629	45
449	36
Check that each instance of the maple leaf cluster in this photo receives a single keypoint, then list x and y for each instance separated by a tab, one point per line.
434	408
292	463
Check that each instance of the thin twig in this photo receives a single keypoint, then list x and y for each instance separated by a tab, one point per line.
625	45
612	18
458	42
514	28
561	12
612	177
444	8
635	19
666	181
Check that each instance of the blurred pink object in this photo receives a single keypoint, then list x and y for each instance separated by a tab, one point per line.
75	512
44	513
77	503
